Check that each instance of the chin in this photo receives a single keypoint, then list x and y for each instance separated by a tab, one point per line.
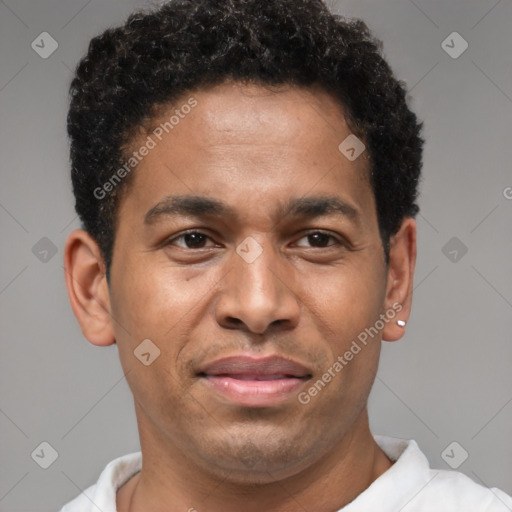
253	460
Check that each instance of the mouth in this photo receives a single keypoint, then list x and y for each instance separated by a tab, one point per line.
254	382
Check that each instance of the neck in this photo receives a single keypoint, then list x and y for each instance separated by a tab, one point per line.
169	481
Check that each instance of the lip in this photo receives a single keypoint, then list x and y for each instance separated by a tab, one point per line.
255	382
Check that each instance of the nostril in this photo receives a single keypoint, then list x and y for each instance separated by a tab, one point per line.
233	320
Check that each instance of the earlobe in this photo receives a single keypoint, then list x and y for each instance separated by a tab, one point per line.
87	287
402	261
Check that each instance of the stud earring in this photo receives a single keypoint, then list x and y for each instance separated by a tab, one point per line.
401	323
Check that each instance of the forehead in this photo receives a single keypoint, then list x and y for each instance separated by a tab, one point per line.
278	143
257	114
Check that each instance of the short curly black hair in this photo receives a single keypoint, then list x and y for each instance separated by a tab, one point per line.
157	56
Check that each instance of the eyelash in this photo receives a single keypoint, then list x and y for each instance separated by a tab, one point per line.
338	241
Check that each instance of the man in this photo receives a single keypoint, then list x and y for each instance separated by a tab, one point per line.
246	173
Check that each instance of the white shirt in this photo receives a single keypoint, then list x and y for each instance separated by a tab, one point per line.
409	485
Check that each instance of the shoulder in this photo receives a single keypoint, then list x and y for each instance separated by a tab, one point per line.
82	502
102	495
451	490
418	488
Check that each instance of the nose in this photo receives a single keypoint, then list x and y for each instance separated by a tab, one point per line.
257	296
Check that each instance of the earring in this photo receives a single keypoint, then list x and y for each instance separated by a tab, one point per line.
401	323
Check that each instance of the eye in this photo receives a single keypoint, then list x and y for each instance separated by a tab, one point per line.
319	239
191	240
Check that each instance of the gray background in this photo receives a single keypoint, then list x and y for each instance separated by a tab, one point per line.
448	380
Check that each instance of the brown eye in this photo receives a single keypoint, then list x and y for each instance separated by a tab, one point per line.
191	240
318	239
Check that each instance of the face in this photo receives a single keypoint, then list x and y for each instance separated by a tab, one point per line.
248	252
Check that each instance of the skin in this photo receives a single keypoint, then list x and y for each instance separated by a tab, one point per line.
302	299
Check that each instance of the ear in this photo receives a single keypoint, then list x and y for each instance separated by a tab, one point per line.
402	260
88	288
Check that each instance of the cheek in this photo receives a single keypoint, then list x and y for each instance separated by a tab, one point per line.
151	300
348	305
159	303
342	313
151	305
347	301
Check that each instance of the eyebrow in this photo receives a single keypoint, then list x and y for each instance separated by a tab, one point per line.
201	206
195	206
318	206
